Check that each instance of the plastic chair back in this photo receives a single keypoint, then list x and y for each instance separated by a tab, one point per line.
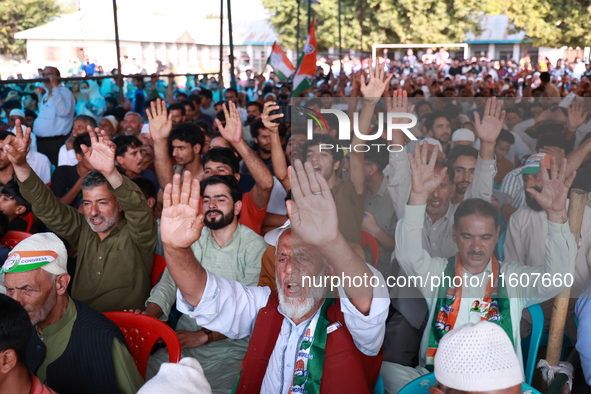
368	240
12	238
422	384
530	346
157	269
29	219
141	333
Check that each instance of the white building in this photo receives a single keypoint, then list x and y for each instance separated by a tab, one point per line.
189	44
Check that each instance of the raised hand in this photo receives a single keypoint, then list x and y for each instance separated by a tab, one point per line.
313	212
378	82
424	177
268	119
232	132
16	147
399	103
101	153
554	190
576	115
160	121
181	223
489	127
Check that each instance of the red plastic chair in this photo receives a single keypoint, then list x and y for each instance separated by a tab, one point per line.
368	240
141	333
12	238
30	219
157	269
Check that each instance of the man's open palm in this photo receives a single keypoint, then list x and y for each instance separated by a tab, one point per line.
160	121
493	118
101	154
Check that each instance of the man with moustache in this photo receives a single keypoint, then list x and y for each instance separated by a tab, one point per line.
72	348
476	232
300	338
132	124
461	165
528	229
229	250
129	159
405	328
115	254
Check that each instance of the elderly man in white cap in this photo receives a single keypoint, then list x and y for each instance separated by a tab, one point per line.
73	348
462	137
477	358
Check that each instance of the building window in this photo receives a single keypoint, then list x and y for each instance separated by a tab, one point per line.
79	53
52	54
506	55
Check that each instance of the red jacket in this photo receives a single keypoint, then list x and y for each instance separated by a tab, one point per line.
346	369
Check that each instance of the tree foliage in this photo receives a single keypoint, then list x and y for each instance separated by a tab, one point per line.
552	23
382	21
19	15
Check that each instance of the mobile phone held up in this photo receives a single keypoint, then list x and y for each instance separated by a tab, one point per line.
286	111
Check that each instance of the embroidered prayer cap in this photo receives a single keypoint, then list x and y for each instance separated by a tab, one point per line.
145	128
272	237
532	165
477	357
463	135
43	250
114	121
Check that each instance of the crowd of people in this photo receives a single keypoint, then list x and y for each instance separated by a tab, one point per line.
244	206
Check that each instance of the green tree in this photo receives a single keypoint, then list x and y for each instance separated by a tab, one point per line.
552	23
365	22
19	15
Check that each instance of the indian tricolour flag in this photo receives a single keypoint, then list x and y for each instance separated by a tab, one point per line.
282	66
304	77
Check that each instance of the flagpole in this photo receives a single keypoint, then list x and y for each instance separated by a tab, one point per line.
309	13
298	30
221	82
340	41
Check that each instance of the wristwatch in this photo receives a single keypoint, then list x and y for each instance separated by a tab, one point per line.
209	334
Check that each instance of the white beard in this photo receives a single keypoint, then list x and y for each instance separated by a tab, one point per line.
296	308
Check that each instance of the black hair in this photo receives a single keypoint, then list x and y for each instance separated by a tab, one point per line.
506	136
12	190
15	327
228	180
10	105
112	100
29	113
255	104
224	156
88	119
81	139
184	103
255	127
124	142
512	111
178	106
325	139
430	119
545	76
378	155
417	92
230	90
314	101
4	223
206	93
147	187
187	132
455	153
476	206
551	139
194	99
33	96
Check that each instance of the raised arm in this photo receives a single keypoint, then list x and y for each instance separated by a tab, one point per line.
160	127
277	154
489	127
232	132
313	216
180	227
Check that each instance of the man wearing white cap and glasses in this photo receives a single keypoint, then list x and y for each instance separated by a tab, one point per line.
73	348
300	339
477	358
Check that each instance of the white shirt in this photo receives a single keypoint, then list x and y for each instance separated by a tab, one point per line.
231	309
66	157
277	200
40	164
56	115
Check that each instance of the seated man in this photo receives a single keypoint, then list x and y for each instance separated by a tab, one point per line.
129	158
15	328
226	249
464	354
115	254
72	348
350	329
67	155
476	233
66	181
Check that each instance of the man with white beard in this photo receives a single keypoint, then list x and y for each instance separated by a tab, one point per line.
300	338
